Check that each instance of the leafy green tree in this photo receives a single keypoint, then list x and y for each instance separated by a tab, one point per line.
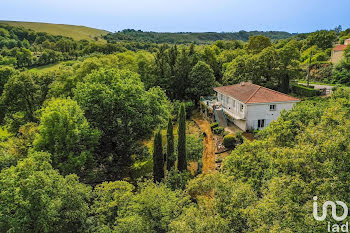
181	145
289	64
24	57
23	95
117	104
163	71
202	81
347	54
158	158
341	73
323	39
151	209
257	43
211	192
36	198
108	199
210	57
170	159
5	73
182	71
65	133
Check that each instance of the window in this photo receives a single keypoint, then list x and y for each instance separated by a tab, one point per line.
273	107
261	123
241	107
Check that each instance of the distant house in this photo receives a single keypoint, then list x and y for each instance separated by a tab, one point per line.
248	106
338	51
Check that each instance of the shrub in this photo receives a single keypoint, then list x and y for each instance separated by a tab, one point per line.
229	141
194	147
214	125
305	91
239	138
226	133
218	130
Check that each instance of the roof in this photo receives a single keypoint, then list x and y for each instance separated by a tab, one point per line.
249	93
340	47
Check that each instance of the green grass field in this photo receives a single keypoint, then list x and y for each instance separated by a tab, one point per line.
76	32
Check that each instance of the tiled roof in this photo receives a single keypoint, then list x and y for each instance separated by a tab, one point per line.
339	47
251	93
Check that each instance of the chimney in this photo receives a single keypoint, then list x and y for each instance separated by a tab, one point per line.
242	83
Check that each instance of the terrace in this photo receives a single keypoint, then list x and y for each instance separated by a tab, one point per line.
212	103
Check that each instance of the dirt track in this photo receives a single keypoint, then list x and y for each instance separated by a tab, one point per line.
208	146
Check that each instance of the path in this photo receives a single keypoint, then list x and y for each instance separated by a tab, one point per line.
319	86
208	146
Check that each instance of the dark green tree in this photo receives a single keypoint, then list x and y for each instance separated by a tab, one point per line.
170	161
202	81
181	145
158	158
182	72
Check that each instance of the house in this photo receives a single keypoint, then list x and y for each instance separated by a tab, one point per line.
247	105
338	51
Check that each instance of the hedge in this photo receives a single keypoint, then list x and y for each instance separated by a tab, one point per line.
302	90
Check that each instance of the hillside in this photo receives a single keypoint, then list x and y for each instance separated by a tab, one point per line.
188	37
76	32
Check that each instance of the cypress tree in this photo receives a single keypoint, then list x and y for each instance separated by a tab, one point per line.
158	158
181	145
170	146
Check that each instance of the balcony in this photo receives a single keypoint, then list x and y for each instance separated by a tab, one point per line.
212	103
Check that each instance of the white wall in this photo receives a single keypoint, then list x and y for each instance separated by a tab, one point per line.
257	112
232	105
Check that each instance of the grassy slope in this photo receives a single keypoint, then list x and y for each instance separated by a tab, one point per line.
76	32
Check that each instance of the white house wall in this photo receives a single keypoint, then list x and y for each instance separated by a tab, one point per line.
257	112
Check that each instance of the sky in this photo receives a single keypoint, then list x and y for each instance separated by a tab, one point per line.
184	15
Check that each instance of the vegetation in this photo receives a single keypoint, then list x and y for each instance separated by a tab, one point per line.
74	140
158	158
181	145
170	159
75	32
188	37
302	90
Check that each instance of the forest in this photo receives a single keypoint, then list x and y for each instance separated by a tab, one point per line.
99	136
189	37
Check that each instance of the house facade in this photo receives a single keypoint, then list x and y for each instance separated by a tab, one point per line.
338	51
248	106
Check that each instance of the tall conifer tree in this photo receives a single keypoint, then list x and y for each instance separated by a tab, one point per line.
170	146
181	145
158	158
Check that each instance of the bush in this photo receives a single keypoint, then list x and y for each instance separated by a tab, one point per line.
305	91
239	138
214	125
177	180
229	141
194	147
218	130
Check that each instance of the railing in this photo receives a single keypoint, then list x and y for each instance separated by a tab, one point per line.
212	103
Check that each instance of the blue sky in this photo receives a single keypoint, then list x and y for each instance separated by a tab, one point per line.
184	15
